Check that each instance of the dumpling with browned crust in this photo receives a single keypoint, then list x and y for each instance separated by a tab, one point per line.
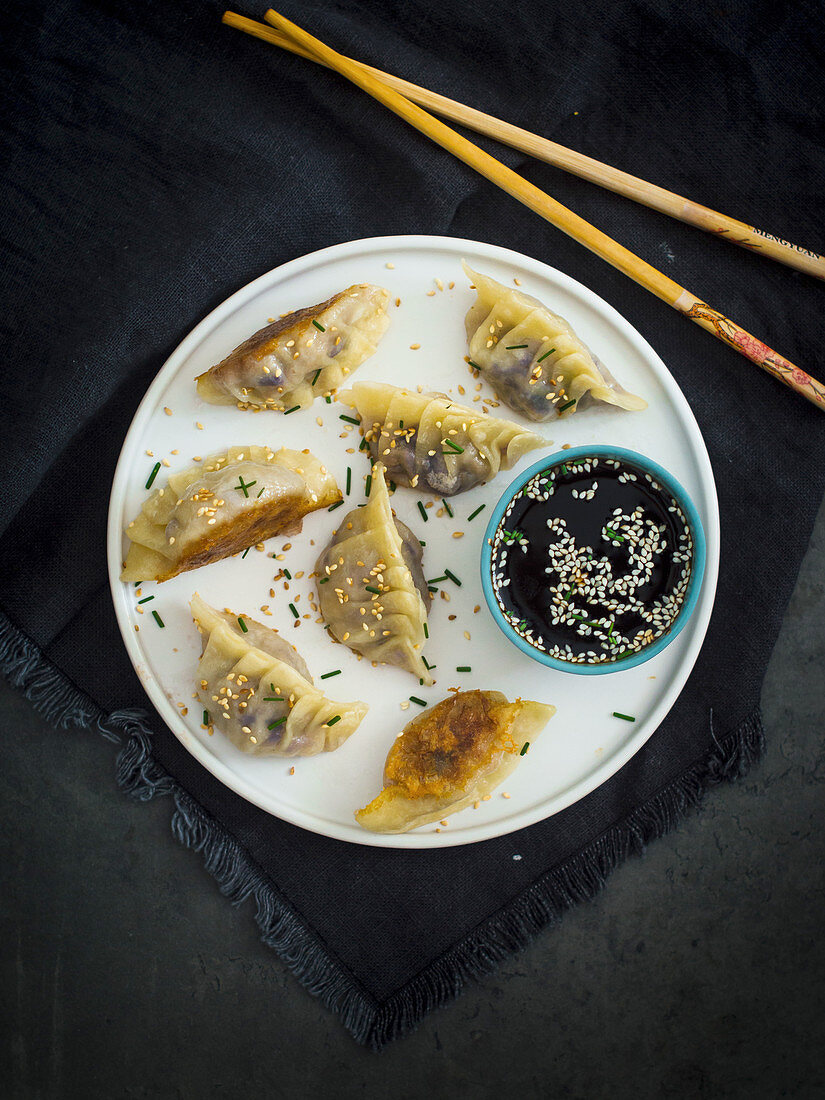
305	354
232	500
451	755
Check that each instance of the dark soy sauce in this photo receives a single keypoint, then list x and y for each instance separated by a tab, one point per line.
591	560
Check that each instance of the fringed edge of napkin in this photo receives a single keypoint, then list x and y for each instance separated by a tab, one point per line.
371	1023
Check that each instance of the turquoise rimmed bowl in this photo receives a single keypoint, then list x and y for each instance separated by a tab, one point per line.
679	494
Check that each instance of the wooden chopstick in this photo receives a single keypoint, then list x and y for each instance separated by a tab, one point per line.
552	211
649	194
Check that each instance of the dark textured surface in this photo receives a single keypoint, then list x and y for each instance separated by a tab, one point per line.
698	972
136	201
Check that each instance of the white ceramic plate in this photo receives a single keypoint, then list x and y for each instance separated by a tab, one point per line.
583	745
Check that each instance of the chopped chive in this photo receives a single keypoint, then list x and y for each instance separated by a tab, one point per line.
393	486
294	610
243	555
450	512
292	410
243	486
368	485
272	698
153	475
323	580
421	542
327	398
436	580
318	325
146	599
524	748
138	584
421	681
567	404
564	469
550	352
206	718
349	419
349	479
626	717
463	668
431	589
426	631
261	493
363	445
423	511
277	722
415	699
332	721
514	347
473	515
452	577
472	364
614	534
315	377
369	588
243	625
158	619
335	672
583	619
400	423
427	663
287	574
337	504
453	447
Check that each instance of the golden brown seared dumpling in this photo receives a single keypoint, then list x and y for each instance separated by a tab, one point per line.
234	499
304	355
430	443
451	755
532	357
258	692
372	590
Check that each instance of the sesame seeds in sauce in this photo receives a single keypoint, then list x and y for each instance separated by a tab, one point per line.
604	564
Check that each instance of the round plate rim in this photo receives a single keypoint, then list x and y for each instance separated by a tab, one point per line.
700	618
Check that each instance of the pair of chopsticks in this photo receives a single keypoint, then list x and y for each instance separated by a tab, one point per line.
388	90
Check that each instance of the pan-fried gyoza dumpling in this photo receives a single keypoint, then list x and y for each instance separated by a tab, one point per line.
304	355
257	691
234	499
428	442
451	755
372	591
532	357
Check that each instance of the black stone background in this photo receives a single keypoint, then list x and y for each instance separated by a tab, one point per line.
125	973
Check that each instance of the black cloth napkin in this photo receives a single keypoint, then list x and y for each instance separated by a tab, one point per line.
154	161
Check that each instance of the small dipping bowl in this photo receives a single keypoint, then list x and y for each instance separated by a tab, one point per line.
668	484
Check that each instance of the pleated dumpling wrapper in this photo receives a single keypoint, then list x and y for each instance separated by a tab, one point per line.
428	442
452	755
532	357
303	355
372	592
258	692
229	502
